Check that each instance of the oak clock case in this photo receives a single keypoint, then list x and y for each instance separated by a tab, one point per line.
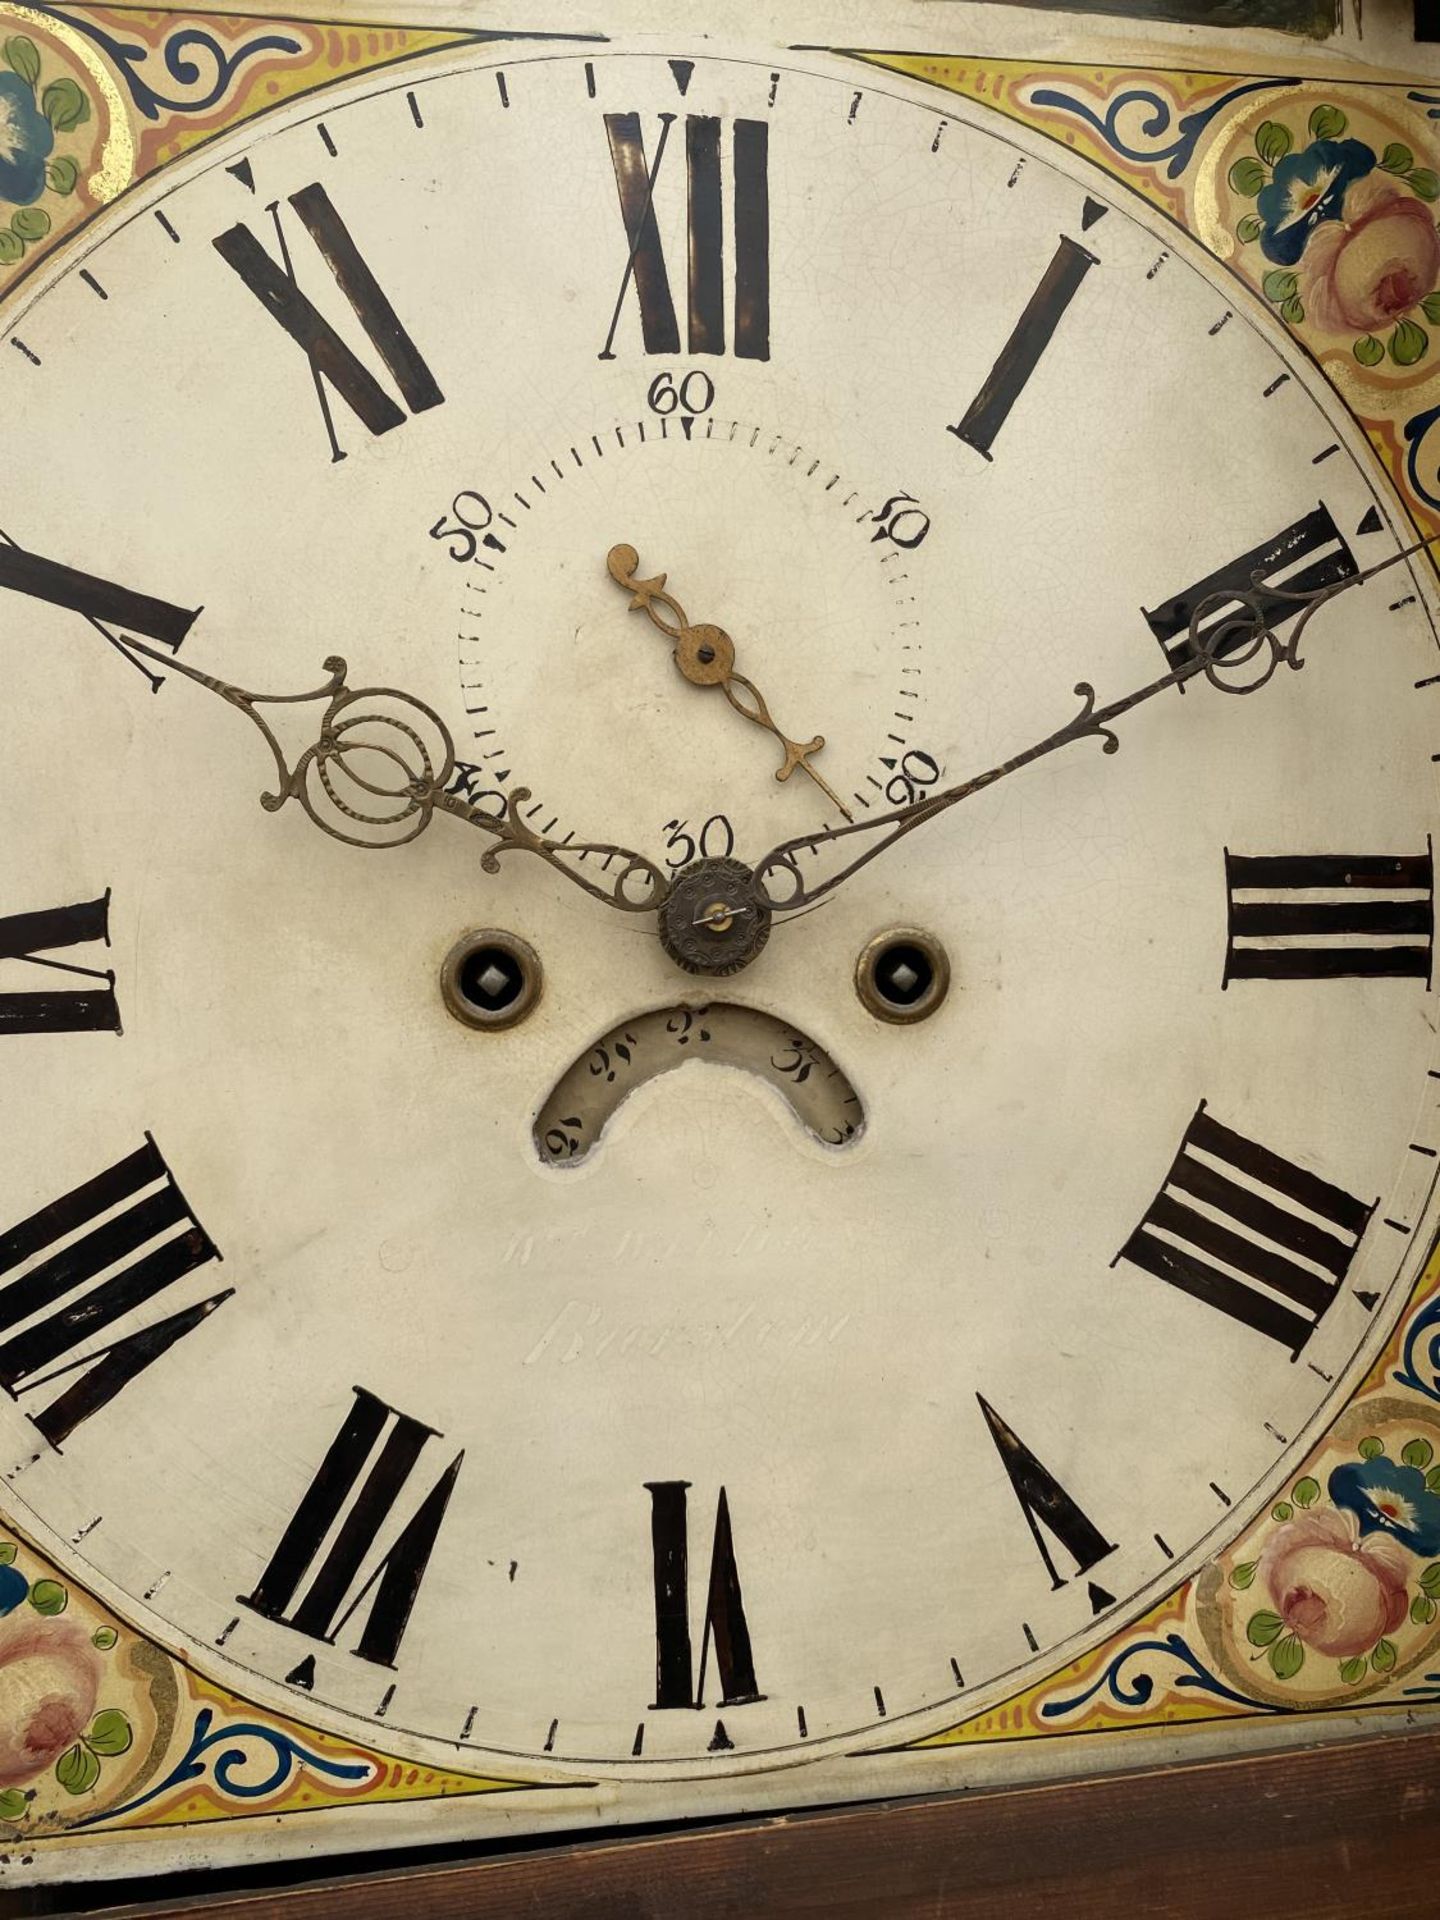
506	1394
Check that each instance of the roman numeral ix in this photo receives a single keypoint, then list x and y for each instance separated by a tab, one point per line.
104	1250
35	938
645	269
316	1587
1329	916
278	291
1249	1233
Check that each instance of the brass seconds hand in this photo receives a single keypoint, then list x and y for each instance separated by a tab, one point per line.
706	657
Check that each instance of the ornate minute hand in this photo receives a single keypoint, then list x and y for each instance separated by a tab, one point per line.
1232	645
706	656
379	772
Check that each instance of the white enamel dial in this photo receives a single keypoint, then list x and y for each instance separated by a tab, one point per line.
961	1377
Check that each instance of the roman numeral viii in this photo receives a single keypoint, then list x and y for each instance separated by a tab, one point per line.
1300	559
1328	916
277	289
105	1250
1249	1233
636	181
35	938
315	1583
725	1625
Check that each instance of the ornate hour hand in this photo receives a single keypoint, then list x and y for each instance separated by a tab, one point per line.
379	772
1240	653
706	656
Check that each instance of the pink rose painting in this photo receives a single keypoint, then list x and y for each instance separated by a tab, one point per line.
49	1681
1335	1591
1378	262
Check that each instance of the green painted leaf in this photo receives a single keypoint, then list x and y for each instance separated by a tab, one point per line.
1264	1628
1286	1657
64	105
1307	1491
22	56
1430	307
1280	284
104	1638
1247	177
1371	1447
1397	158
31	223
1423	1609
1382	1656
1430	1578
62	174
1249	228
1424	181
11	247
1293	311
1282	1510
1327	123
8	1550
1417	1453
77	1769
1432	1480
109	1733
1407	343
12	1804
1244	1575
1353	1670
48	1597
1273	140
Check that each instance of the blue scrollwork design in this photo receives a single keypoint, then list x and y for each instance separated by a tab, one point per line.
1134	1690
179	55
1430	102
240	1745
1159	122
1428	1690
1421	1353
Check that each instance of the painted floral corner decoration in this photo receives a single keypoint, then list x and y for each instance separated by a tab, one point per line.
37	112
63	1728
1341	1584
1347	233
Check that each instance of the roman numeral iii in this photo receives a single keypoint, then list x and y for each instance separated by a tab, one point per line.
1328	916
131	1224
1249	1233
36	938
725	1624
1300	559
278	291
636	181
316	1591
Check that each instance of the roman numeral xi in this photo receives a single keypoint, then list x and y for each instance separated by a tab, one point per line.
277	289
645	268
1249	1233
80	1265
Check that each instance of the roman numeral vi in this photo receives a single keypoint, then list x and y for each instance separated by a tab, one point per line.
725	1623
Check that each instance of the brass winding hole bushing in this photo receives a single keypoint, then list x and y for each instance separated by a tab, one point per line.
491	979
902	975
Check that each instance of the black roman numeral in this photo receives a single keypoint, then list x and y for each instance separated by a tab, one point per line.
725	1624
130	1224
1300	559
278	291
1045	1502
35	938
645	268
1376	919
101	602
1035	328
1277	1254
334	1588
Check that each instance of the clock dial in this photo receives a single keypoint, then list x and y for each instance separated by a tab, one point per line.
506	1388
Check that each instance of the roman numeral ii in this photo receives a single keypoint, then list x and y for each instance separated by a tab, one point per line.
278	291
316	1588
636	180
1277	1254
130	1224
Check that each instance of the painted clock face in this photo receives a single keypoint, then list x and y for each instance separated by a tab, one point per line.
508	1388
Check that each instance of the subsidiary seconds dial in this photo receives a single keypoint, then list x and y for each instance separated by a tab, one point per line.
503	1393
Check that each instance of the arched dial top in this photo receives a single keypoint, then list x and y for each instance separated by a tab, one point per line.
749	1432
